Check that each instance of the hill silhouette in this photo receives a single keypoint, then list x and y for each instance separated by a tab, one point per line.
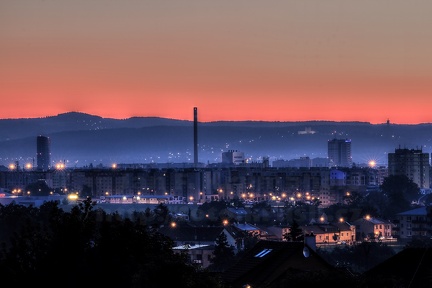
81	139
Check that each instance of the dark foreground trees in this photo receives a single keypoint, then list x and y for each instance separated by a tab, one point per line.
85	247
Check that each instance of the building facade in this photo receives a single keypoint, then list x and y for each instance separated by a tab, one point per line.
339	152
413	163
43	153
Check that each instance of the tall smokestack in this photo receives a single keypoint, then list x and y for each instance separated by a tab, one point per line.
195	136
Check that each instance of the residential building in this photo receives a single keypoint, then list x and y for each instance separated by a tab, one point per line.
326	233
43	153
273	263
371	228
198	254
413	163
339	152
233	157
414	223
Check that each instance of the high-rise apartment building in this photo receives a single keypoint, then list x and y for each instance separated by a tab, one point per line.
410	162
233	157
339	152
43	153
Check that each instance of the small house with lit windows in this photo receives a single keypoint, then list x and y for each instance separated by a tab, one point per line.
341	232
370	228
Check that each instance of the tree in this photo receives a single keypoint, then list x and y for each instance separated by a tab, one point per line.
85	245
38	188
223	254
295	233
400	191
161	213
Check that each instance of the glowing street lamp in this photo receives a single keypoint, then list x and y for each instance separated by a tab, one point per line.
60	166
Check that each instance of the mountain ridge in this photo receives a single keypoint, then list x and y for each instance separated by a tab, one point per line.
82	138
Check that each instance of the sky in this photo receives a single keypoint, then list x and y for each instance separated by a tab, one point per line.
285	60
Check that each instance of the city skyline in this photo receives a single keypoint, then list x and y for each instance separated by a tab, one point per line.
292	60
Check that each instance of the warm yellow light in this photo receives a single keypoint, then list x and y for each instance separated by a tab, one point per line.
225	222
341	219
72	196
368	217
114	165
372	163
173	224
28	166
12	166
60	166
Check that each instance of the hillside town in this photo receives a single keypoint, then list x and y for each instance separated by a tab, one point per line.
328	207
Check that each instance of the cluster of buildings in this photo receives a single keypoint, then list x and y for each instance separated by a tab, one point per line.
232	178
307	180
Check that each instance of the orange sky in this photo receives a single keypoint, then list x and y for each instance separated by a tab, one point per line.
291	60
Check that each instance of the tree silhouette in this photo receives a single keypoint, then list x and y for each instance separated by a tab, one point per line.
400	191
223	254
87	245
295	232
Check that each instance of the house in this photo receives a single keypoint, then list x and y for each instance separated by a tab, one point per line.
279	264
415	222
275	232
411	267
331	233
185	233
197	241
197	254
371	228
249	228
237	213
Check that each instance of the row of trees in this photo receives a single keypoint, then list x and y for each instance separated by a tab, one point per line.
51	247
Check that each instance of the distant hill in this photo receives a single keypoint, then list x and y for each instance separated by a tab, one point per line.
81	139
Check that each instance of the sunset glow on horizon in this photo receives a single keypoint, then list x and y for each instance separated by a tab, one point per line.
335	60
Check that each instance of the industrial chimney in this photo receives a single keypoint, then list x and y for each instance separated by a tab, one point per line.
195	137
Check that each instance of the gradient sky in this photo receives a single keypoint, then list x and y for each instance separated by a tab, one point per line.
287	60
